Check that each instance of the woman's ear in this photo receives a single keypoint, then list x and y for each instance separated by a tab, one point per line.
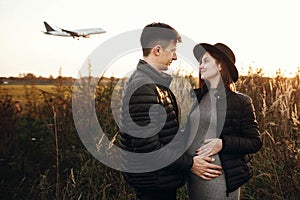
219	67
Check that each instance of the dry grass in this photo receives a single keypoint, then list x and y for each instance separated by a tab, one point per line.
41	156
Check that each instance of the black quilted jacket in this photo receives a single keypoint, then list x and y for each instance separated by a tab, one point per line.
138	98
239	133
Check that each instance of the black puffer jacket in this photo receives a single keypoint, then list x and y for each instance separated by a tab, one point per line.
239	134
138	103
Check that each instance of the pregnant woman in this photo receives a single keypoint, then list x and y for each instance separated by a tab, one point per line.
226	128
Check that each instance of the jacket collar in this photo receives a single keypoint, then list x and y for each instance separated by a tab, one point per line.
221	92
158	77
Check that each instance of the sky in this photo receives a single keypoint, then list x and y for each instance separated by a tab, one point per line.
262	34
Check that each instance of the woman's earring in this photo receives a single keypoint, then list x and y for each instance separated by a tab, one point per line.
220	68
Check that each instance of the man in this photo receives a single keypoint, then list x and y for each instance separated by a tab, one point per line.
149	117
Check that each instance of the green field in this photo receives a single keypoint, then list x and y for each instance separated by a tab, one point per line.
18	92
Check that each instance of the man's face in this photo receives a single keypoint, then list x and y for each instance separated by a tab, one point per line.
167	55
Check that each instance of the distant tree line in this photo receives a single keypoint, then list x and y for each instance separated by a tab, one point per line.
30	78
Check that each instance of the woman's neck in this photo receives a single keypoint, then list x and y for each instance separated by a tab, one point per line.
213	83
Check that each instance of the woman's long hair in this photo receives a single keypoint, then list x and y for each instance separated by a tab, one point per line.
225	74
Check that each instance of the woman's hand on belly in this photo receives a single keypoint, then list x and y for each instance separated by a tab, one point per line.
203	168
210	147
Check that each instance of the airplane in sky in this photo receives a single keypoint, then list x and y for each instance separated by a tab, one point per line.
74	33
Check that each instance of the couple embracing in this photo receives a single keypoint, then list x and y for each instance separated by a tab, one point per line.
217	162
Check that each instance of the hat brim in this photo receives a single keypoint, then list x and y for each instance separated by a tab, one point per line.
200	49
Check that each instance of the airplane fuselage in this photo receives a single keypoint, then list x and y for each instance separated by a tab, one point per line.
74	33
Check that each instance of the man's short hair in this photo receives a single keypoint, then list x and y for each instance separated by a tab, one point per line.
158	33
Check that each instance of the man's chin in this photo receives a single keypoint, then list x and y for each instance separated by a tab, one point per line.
165	67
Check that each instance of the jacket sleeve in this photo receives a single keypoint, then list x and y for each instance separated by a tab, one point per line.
139	108
248	140
183	163
135	117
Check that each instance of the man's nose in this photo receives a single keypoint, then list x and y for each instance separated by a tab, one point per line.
175	56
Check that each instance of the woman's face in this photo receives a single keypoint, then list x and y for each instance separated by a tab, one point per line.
209	69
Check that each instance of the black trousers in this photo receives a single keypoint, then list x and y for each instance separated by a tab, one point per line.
155	194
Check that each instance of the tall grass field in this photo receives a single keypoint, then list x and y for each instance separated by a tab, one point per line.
42	157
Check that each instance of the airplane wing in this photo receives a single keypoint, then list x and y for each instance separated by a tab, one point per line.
72	33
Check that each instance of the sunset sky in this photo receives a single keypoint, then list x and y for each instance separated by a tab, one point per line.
261	33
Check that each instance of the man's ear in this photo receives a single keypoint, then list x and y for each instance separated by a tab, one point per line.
156	50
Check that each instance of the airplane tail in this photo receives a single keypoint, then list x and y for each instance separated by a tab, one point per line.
48	27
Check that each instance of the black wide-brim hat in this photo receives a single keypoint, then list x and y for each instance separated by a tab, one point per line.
221	49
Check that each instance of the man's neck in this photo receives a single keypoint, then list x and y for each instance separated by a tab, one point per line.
151	62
